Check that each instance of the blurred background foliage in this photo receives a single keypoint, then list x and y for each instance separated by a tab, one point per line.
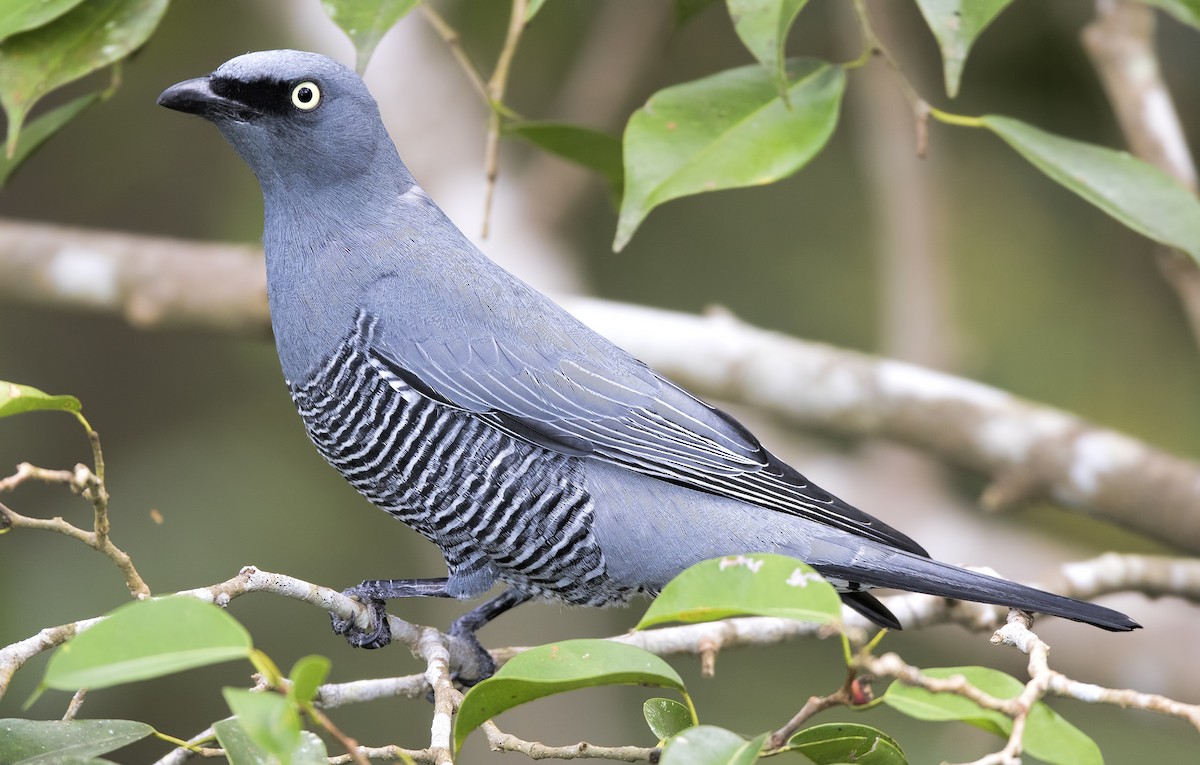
1042	295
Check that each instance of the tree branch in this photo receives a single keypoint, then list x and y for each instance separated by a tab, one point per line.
1029	450
1120	44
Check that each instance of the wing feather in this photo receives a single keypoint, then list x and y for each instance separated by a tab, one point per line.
620	411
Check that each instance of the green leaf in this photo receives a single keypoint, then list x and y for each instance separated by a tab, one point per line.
594	150
145	639
1134	192
91	36
532	9
1186	11
268	719
761	584
666	717
366	22
39	742
22	15
763	26
1048	736
846	742
36	132
18	399
556	668
956	24
240	749
710	745
729	130
307	675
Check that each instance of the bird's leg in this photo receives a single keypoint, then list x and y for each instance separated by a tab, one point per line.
373	592
464	628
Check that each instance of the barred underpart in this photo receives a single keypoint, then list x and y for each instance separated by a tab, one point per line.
498	507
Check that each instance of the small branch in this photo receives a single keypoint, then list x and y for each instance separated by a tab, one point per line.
814	706
91	487
496	86
499	741
392	752
76	703
1018	635
454	43
432	647
350	745
491	90
872	45
14	655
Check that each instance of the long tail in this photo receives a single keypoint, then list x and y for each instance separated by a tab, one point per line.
905	571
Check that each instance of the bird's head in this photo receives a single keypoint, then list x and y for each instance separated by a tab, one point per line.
302	121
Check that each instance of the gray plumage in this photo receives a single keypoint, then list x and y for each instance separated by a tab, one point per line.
452	395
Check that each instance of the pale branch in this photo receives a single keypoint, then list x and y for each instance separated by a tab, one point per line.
1018	635
432	646
1155	576
499	741
1120	44
1102	575
442	654
1039	450
14	655
390	752
150	281
1048	452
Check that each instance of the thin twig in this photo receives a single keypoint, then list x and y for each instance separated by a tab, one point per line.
454	43
815	705
499	741
873	45
349	744
76	703
496	86
89	485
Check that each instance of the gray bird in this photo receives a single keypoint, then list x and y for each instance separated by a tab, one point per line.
528	448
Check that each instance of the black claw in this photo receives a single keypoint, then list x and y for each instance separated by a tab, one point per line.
377	636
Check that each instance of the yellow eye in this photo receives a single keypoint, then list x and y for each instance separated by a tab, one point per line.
306	96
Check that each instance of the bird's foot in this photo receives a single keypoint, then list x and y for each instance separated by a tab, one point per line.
376	636
479	666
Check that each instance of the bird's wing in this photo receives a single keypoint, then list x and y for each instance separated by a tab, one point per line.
603	403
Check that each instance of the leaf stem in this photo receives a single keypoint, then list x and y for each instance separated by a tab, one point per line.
194	748
691	707
955	119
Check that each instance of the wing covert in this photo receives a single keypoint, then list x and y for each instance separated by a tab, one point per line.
606	405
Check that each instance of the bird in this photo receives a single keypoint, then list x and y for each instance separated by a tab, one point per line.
531	450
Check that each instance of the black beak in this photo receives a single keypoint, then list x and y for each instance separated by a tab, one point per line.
197	97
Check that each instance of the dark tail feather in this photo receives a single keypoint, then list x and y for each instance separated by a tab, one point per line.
902	571
871	609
